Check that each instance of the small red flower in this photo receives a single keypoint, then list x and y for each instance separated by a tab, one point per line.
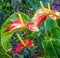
18	49
28	43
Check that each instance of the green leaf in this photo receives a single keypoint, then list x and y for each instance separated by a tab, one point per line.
5	42
49	49
56	42
51	45
52	28
4	54
50	24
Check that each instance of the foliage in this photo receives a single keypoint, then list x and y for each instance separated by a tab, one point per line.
50	37
47	39
4	54
51	42
7	34
5	42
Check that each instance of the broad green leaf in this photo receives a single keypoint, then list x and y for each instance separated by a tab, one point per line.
51	45
50	24
52	28
56	42
57	51
56	33
49	49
